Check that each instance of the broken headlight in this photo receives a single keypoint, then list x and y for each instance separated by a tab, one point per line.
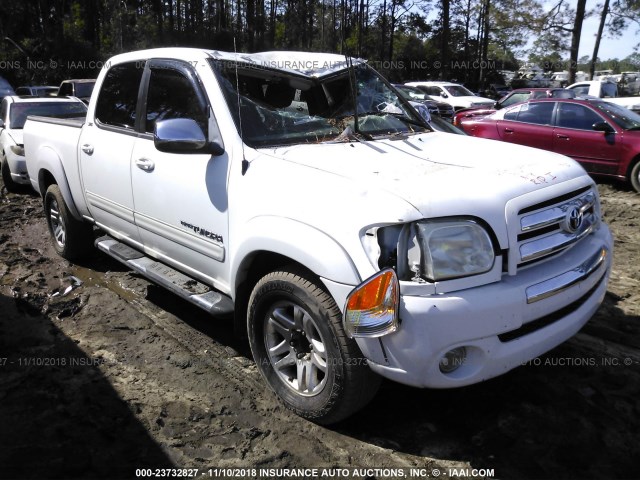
453	249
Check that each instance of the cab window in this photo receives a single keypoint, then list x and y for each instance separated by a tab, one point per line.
434	91
172	94
118	96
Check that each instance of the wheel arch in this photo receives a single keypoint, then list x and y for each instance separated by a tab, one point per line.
51	170
312	251
632	164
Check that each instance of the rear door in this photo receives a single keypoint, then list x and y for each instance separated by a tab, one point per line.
528	124
180	199
105	152
575	137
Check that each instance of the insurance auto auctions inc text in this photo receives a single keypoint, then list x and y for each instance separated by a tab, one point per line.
347	473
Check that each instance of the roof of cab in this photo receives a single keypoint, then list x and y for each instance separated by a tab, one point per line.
308	64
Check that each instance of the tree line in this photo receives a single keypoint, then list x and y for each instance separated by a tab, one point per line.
44	41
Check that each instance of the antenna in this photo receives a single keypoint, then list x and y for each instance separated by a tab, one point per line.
354	94
245	162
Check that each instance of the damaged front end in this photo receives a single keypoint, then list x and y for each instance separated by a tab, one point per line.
419	258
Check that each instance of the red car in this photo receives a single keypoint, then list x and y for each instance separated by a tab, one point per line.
602	136
515	96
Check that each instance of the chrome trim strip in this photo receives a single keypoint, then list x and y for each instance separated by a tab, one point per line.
555	214
550	244
542	219
108	206
185	238
562	282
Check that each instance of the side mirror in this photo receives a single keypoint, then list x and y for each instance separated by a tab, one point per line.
444	95
497	105
183	135
603	127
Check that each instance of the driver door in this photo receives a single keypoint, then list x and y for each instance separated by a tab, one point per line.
180	199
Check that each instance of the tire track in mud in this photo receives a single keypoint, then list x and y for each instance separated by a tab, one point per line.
225	360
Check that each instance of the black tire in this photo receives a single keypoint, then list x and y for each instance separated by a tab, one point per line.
294	328
11	186
72	239
634	177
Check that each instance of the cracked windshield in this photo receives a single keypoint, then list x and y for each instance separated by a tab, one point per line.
280	108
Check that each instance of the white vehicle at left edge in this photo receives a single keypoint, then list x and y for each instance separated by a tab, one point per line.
13	115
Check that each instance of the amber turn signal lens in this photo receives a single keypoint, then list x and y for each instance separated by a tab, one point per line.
371	309
372	294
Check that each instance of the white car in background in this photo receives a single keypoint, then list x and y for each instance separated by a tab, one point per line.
13	113
456	95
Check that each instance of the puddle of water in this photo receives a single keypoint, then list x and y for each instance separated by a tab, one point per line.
92	278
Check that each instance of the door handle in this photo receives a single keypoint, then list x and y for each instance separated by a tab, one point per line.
508	130
562	137
145	164
88	149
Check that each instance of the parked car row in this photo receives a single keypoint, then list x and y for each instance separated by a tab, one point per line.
80	88
456	95
602	136
435	107
37	91
515	96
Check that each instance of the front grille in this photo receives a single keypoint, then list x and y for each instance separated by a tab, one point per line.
550	227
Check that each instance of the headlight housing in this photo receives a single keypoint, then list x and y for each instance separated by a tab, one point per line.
454	249
18	150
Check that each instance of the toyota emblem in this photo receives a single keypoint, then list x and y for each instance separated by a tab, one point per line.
573	220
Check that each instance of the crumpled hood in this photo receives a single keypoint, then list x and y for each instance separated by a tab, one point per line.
439	173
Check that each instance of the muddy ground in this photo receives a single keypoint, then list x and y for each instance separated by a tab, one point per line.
103	378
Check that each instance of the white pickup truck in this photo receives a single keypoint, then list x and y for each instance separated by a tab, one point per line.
349	242
607	90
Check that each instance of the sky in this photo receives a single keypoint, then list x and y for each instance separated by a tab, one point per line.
609	48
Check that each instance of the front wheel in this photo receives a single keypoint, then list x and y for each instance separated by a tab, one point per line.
72	238
634	177
297	341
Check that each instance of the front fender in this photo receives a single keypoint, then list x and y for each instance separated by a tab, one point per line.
48	163
300	242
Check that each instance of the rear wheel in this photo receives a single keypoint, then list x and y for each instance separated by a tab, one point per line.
9	183
72	238
297	340
634	177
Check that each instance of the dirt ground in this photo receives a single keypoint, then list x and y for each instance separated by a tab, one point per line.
101	378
